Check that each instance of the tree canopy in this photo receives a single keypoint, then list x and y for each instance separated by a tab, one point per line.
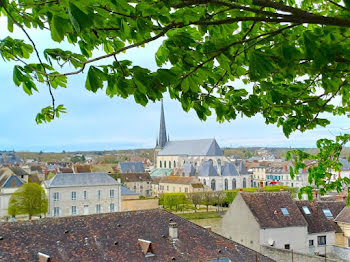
30	199
287	60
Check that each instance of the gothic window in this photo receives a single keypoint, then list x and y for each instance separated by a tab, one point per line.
174	164
213	184
219	162
204	182
244	182
226	184
160	164
169	164
234	184
164	164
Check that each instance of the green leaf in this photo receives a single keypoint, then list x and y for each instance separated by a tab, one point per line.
79	19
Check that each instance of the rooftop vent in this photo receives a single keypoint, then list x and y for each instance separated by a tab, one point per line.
146	247
43	257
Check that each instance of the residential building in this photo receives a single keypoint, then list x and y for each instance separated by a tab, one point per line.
9	183
270	219
131	167
82	194
151	235
178	184
343	221
276	220
138	182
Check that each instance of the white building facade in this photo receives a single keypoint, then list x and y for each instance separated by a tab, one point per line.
82	194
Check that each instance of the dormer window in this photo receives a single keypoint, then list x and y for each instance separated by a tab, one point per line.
285	211
327	212
306	210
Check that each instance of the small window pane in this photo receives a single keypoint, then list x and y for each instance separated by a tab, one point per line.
321	240
311	243
327	212
306	210
285	211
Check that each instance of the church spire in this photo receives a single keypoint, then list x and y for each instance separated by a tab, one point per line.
162	139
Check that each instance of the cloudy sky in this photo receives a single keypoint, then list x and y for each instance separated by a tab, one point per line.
96	122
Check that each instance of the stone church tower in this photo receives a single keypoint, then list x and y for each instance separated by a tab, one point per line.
162	138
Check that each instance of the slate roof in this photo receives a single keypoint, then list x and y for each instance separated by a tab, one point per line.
131	167
37	168
229	169
207	169
343	216
317	221
12	181
135	177
189	169
18	171
200	147
115	237
346	164
242	168
127	192
266	208
81	179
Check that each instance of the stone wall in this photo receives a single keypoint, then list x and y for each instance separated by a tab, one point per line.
139	204
282	255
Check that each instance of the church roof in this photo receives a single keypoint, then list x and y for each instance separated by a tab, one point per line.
207	169
242	169
189	169
162	139
229	169
200	147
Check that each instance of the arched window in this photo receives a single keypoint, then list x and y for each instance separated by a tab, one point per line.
204	182
254	184
160	164
226	184
219	162
234	184
213	185
174	164
169	164
164	164
244	182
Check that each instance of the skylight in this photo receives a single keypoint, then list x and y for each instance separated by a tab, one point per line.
327	212
285	211
306	210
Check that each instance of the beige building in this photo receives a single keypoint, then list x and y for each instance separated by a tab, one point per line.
343	221
177	184
138	182
131	201
82	194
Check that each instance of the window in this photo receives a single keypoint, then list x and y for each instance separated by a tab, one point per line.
285	211
311	243
186	190
73	195
56	211
213	184
85	195
173	189
111	208
174	164
204	182
56	196
226	184
160	164
348	242
99	193
164	164
244	182
169	164
234	184
73	210
111	193
306	210
180	189
327	212
286	246
98	209
321	240
167	188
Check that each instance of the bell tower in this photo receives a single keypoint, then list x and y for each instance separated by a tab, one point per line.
162	138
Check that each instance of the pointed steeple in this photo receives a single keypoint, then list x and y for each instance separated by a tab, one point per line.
162	139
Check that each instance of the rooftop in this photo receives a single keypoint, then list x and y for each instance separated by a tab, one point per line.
116	237
81	179
131	167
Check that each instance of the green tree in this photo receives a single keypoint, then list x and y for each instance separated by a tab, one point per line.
30	199
287	60
207	199
195	198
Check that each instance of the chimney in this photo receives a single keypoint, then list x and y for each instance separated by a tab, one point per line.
43	257
316	195
173	230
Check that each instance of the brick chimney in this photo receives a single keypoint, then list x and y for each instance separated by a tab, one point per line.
173	230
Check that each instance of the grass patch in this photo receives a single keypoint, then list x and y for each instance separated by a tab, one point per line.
199	215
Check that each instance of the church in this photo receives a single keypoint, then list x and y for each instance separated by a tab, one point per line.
202	158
